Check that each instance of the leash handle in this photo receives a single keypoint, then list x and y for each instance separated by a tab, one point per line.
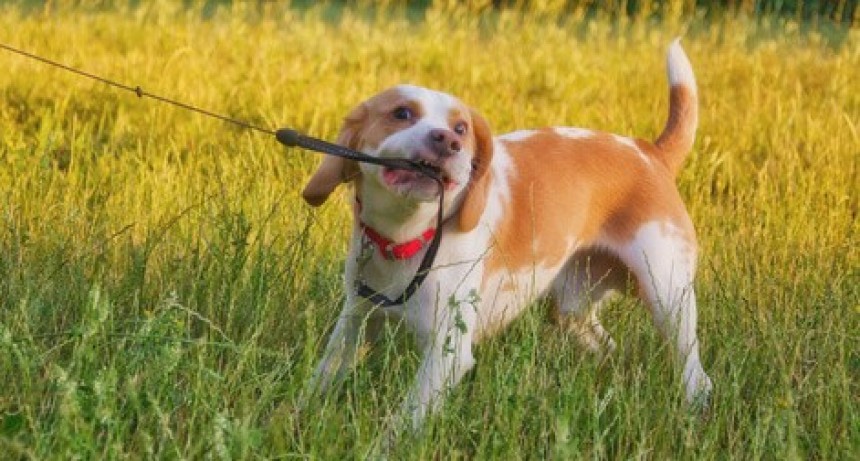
292	138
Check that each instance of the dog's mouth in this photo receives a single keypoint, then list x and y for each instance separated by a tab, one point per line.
398	178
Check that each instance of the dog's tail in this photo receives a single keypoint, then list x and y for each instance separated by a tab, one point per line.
677	137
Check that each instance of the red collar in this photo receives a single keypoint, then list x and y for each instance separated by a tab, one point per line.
391	250
388	248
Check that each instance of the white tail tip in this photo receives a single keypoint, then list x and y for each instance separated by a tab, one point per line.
678	66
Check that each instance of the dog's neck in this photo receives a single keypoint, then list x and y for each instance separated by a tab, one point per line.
397	218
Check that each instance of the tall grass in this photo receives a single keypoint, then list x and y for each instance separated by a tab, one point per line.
164	292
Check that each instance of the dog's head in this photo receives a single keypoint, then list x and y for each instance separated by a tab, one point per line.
418	124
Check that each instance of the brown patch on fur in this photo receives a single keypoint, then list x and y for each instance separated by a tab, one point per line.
456	116
336	170
566	191
380	122
481	143
603	269
680	132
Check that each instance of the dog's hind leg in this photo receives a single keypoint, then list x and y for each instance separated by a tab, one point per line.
588	281
663	258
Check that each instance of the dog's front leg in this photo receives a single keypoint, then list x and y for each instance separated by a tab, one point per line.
340	352
446	356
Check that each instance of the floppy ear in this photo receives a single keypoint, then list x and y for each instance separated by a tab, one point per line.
336	170
479	185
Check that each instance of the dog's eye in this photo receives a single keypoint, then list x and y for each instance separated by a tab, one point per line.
402	113
461	128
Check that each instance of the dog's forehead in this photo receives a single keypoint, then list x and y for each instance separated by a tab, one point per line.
431	101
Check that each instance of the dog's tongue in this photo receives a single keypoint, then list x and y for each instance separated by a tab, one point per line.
398	176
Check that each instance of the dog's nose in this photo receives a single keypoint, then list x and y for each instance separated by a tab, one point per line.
444	142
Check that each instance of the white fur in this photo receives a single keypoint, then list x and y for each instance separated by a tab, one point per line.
516	136
500	189
665	262
678	67
573	132
436	105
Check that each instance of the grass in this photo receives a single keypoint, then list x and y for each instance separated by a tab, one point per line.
164	292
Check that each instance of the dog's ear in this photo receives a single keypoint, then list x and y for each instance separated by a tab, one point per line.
479	184
336	170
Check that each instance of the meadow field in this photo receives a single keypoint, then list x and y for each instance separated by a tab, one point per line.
165	292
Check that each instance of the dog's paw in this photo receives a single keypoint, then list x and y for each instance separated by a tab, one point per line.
699	389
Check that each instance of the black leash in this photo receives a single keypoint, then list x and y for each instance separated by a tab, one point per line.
292	138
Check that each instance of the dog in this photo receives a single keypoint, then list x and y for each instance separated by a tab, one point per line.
564	214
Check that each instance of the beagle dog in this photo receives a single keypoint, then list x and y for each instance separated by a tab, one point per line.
562	214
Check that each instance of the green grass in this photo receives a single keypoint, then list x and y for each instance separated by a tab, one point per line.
164	292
